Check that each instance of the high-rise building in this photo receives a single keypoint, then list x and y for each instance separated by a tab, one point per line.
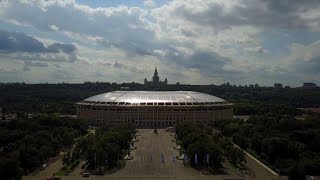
278	85
309	85
155	80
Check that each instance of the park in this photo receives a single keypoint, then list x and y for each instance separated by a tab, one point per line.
156	156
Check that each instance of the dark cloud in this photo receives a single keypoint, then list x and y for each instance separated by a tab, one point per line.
36	64
20	42
122	66
308	67
126	67
58	47
261	13
284	6
28	64
207	62
13	42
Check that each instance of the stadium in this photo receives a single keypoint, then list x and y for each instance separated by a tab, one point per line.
154	109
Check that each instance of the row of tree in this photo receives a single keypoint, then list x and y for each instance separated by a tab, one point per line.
49	98
207	149
103	149
287	144
26	144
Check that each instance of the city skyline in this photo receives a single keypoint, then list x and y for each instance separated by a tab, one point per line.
191	42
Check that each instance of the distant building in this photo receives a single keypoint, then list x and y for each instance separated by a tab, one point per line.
155	80
287	87
10	117
314	112
124	88
277	85
308	85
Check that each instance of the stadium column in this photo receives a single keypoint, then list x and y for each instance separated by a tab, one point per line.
108	116
138	117
157	117
208	116
187	115
172	116
115	116
194	114
153	118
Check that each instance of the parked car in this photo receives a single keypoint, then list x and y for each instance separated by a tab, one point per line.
85	174
43	166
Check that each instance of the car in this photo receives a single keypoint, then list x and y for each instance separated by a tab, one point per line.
49	178
43	166
86	174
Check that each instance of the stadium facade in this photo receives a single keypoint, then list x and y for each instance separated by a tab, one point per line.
154	109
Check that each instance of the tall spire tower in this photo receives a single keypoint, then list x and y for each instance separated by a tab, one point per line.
155	71
155	80
155	76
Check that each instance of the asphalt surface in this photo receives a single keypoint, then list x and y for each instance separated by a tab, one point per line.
153	159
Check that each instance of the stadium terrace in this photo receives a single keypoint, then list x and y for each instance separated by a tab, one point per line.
154	109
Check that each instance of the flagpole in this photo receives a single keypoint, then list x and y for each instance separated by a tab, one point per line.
95	161
174	168
174	177
118	166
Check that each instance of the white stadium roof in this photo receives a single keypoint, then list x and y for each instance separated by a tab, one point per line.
153	98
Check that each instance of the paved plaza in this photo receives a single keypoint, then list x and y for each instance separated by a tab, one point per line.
149	164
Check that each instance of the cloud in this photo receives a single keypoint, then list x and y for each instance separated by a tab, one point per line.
257	49
28	64
36	64
190	41
119	25
121	66
221	15
19	46
305	59
54	28
20	42
149	3
59	47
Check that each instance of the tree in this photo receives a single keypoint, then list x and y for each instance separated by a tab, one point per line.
240	141
237	157
9	169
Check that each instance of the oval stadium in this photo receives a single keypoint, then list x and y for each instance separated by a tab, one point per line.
154	109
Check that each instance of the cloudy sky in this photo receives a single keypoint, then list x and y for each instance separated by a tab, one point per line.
190	41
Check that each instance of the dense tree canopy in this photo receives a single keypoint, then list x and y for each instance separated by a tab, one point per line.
289	145
60	98
200	141
104	148
272	132
26	144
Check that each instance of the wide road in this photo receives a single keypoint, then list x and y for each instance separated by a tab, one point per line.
147	162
